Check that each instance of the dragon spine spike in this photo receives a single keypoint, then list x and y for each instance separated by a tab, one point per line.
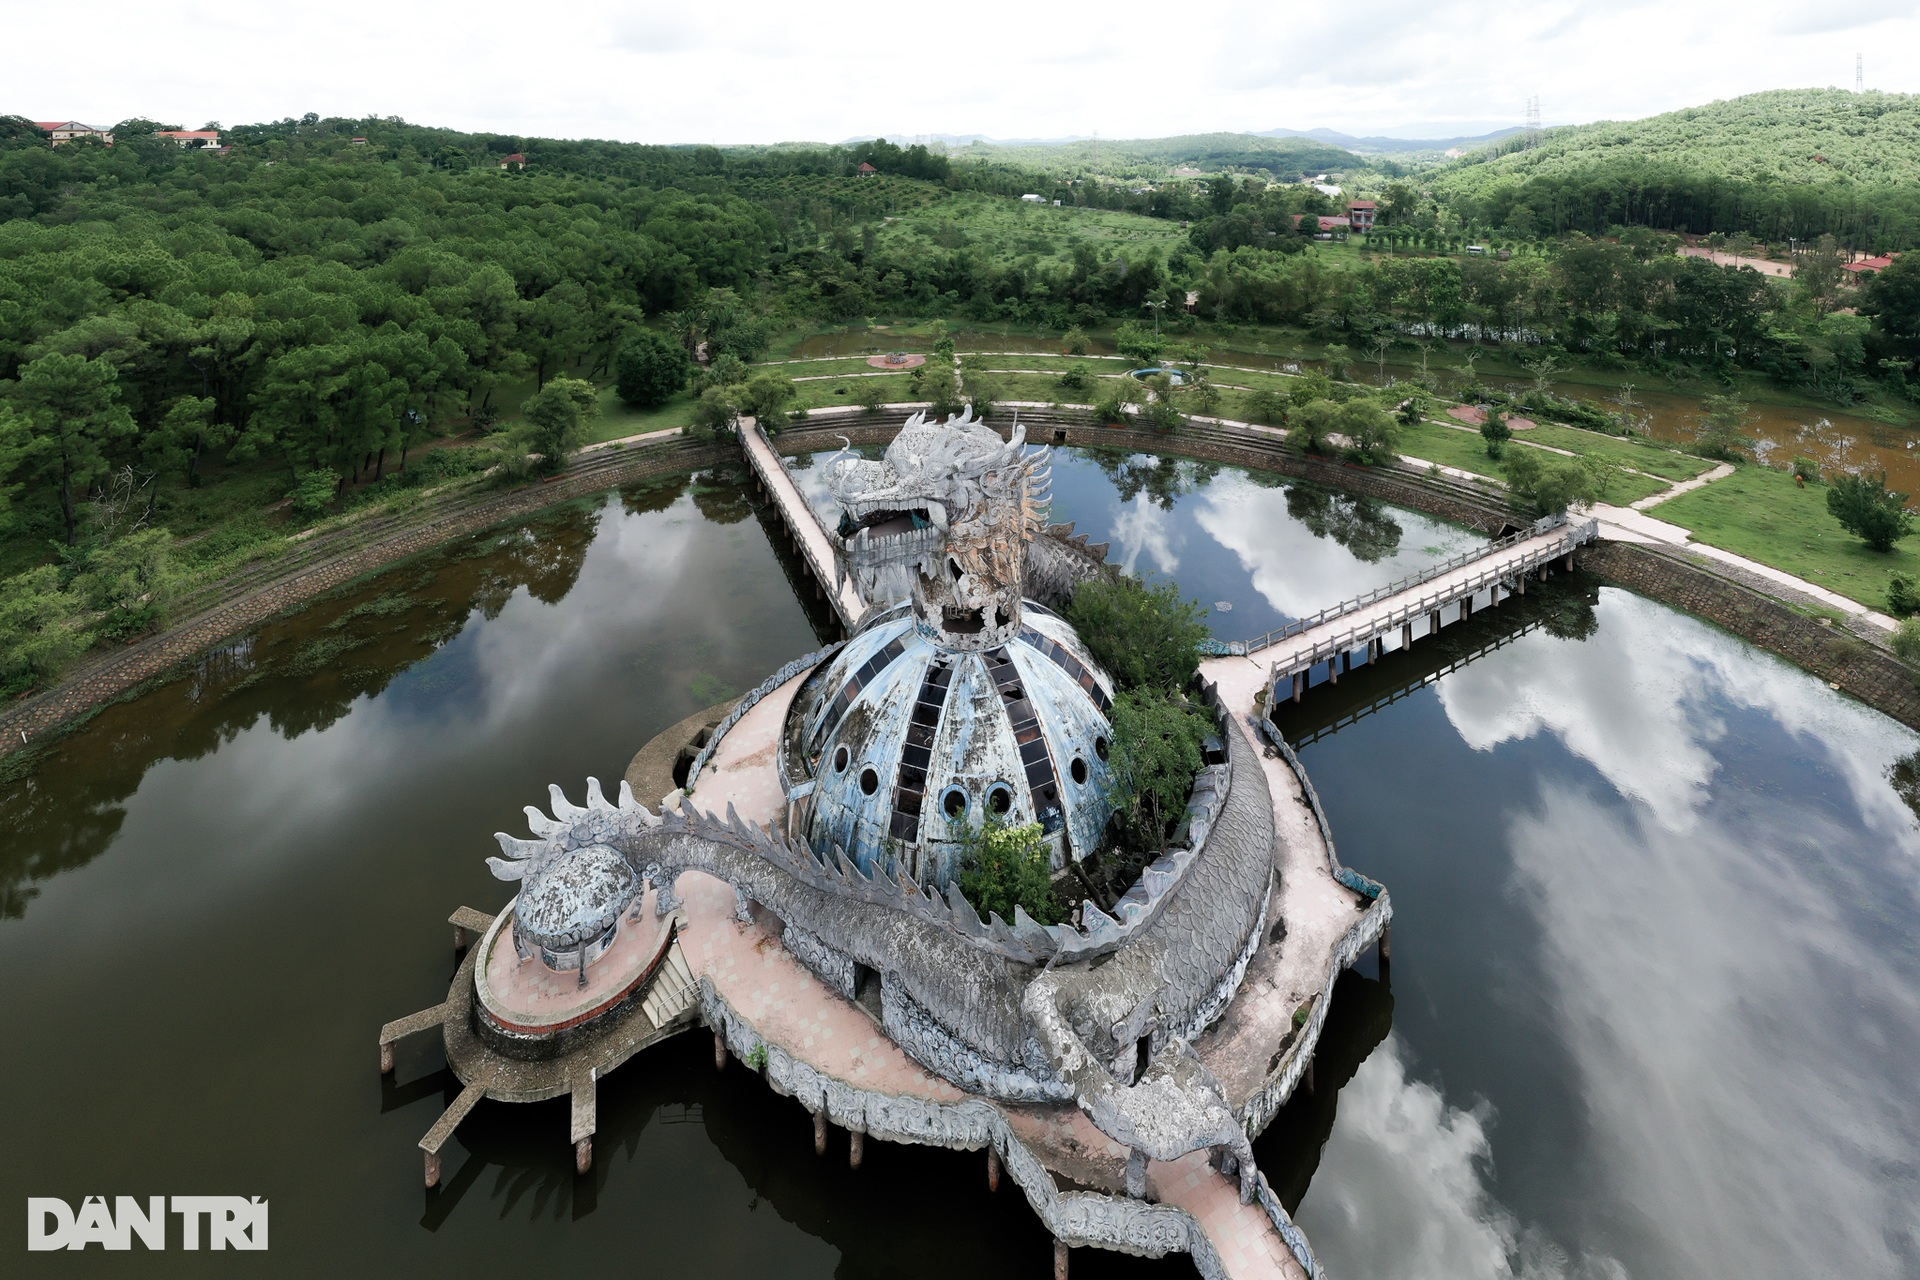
628	800
518	850
540	824
563	809
505	870
595	800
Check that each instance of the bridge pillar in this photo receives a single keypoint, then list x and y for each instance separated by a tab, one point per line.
1466	607
1569	562
1493	596
1333	668
1299	684
1406	636
1433	623
1520	584
1543	571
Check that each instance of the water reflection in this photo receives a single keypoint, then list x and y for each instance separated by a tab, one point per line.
1656	894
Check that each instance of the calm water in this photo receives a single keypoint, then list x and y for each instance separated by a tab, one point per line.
1653	1011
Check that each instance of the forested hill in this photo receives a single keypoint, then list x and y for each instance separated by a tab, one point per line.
1285	159
1790	162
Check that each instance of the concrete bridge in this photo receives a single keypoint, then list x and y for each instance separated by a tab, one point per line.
1391	618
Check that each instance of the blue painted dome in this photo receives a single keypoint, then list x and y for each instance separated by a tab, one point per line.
899	745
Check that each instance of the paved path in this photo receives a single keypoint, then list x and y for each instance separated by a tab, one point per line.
1720	472
802	523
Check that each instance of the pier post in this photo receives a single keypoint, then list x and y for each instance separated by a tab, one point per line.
1493	596
719	1052
856	1148
1386	946
1299	684
820	1132
1059	1259
1333	668
1569	562
1309	1074
1433	623
1406	636
459	939
1543	571
1466	607
993	1169
386	1057
586	1113
433	1169
1520	583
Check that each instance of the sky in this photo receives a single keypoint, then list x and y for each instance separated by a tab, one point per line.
755	71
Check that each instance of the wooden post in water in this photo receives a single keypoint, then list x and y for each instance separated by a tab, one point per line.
820	1132
993	1169
856	1148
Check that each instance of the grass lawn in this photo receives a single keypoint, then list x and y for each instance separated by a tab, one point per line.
1035	360
821	367
618	419
1761	514
1430	442
1637	454
831	391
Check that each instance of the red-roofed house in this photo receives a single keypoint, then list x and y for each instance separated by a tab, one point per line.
68	130
1360	214
514	161
866	170
1330	225
190	137
1863	265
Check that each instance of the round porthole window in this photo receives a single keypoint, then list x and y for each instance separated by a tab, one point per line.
1079	771
840	759
1100	747
1000	798
954	802
869	781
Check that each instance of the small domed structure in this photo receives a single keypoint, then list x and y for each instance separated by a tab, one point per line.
569	909
963	701
909	745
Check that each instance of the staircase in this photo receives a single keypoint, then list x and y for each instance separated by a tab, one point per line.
674	995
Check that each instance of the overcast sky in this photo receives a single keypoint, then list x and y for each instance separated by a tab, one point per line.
754	71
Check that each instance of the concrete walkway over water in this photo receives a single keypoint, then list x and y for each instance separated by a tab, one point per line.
802	523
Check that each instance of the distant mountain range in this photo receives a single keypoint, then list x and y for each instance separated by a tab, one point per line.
1412	138
1408	138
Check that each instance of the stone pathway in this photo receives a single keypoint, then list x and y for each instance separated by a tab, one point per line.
1720	472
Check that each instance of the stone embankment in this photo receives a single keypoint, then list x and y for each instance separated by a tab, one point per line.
325	563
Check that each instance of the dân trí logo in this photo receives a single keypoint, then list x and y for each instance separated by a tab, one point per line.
230	1222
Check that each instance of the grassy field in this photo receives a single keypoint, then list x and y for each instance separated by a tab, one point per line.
831	391
1761	514
1638	454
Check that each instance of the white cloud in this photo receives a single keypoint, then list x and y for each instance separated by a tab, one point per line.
764	72
1400	1189
1296	572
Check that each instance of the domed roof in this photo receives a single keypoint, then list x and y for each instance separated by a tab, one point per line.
575	898
909	744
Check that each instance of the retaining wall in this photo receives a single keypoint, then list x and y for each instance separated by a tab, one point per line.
1832	653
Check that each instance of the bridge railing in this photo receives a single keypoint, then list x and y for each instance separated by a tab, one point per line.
1353	637
1407	583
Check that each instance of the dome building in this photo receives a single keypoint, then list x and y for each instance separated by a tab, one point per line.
962	702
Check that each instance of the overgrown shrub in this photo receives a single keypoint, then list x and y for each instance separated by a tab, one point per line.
1903	596
1157	741
40	630
1145	636
1906	641
1870	511
650	369
1548	483
1003	867
312	493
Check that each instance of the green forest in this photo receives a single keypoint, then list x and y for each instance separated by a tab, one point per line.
202	353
